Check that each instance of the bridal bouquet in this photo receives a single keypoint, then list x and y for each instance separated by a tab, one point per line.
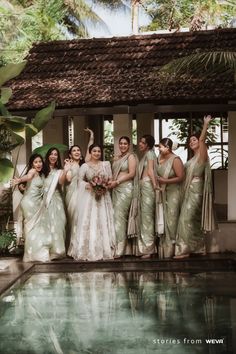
99	186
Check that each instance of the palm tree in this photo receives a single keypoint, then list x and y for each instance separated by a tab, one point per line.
194	14
23	22
122	4
203	63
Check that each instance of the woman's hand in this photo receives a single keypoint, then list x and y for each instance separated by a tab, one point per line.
112	184
22	187
160	179
207	119
88	131
67	165
15	181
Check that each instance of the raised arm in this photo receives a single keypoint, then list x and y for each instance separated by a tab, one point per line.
202	140
91	141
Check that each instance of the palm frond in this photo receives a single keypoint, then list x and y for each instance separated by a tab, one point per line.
207	63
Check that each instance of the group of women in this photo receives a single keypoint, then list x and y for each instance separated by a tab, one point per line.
140	208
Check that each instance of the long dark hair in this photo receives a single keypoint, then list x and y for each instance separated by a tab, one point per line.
29	166
150	140
47	163
82	160
30	163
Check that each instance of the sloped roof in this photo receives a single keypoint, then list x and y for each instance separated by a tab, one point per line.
120	70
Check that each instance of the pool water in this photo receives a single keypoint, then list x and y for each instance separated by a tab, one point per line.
120	313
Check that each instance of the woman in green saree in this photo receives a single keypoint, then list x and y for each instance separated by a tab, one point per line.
32	226
147	196
76	160
196	216
170	172
55	215
124	186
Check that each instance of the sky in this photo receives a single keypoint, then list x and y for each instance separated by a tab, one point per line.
118	22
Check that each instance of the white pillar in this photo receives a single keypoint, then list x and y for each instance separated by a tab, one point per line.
232	166
122	126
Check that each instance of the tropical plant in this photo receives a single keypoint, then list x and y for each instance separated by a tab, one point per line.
13	132
182	128
205	63
24	22
14	129
219	154
8	241
194	14
42	150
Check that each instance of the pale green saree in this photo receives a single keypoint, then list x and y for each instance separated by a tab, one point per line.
147	197
122	197
171	197
196	216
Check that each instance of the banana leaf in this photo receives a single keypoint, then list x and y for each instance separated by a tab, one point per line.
10	71
13	123
19	136
6	93
30	130
3	110
42	117
42	150
6	170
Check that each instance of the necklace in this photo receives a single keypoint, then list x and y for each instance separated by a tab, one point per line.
95	166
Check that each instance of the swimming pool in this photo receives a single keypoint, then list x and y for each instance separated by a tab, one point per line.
120	313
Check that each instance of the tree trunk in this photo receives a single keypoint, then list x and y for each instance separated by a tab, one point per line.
135	16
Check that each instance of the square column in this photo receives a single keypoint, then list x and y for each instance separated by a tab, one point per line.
232	166
81	138
53	133
122	127
145	124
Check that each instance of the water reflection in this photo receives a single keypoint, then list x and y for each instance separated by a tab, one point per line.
120	313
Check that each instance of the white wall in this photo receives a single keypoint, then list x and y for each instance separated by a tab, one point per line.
232	167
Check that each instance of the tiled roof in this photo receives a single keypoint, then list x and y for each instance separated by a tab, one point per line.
120	70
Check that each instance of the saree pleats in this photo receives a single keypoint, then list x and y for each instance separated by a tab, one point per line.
121	198
171	197
190	234
71	200
147	215
55	216
125	210
35	228
147	207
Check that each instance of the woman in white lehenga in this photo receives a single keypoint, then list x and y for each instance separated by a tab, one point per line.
94	236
